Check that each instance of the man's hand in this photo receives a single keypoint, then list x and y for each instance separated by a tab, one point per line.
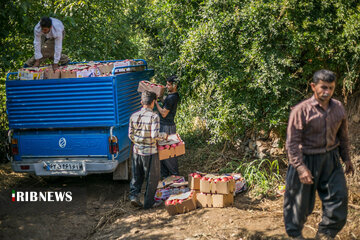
349	167
306	177
37	63
55	66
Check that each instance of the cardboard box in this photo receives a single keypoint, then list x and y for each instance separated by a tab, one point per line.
31	73
214	184
165	193
106	68
90	72
170	152
171	209
151	87
66	73
162	194
124	63
222	200
181	203
50	74
204	199
205	183
187	205
223	187
194	180
214	200
170	180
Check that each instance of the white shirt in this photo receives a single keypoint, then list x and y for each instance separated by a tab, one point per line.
56	32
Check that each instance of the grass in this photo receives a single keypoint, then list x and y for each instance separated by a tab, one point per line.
262	175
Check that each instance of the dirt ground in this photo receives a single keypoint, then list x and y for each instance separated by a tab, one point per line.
100	210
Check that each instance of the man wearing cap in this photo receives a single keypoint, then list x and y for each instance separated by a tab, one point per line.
167	124
317	136
48	38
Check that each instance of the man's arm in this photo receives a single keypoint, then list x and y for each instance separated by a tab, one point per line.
155	129
343	135
131	130
37	46
163	111
293	143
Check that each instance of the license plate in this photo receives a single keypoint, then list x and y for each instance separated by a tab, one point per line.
68	166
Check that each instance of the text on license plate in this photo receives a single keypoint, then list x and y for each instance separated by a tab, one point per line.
64	166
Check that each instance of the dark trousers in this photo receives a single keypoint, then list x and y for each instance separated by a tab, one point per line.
148	168
169	166
329	182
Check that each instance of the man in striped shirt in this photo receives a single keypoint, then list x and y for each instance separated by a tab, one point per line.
144	127
317	136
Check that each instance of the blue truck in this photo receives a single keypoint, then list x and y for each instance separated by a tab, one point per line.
73	126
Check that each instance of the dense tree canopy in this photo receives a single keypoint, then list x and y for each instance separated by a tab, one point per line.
242	63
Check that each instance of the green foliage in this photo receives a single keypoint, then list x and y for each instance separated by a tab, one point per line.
95	30
261	175
242	63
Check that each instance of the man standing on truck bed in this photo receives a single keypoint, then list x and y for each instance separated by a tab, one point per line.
144	131
48	38
167	124
317	136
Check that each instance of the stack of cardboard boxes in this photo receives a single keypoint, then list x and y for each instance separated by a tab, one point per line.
213	190
206	191
80	70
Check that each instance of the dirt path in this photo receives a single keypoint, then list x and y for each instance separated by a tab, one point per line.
247	219
92	196
100	210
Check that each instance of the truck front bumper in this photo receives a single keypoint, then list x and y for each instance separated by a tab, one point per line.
88	167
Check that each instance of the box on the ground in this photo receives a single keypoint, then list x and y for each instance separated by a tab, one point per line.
151	87
194	180
222	200
181	203
205	183
170	180
174	188
49	73
208	200
204	199
217	184
223	185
